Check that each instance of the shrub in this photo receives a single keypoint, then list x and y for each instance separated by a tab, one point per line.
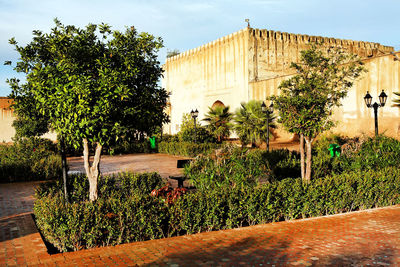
286	200
201	134
357	154
119	185
233	166
188	132
120	147
322	163
126	147
124	212
29	159
375	153
187	149
70	227
169	138
228	195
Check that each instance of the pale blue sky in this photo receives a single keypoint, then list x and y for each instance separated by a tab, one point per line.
185	24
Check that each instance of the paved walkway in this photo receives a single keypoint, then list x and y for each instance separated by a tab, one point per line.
164	164
355	239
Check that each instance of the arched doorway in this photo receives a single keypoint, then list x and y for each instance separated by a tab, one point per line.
217	104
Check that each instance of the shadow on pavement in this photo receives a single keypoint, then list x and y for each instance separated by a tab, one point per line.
383	257
246	252
16	226
268	251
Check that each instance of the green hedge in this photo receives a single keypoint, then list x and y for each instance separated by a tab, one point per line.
187	149
122	147
286	200
29	159
130	148
125	213
119	185
357	154
233	166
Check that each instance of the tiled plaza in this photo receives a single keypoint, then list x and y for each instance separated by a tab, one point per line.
363	238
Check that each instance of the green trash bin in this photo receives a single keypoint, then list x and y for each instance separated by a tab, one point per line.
152	142
335	150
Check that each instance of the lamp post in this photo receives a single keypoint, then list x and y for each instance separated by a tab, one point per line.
375	106
268	111
194	115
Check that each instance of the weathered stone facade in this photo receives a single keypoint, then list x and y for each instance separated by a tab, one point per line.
251	63
7	117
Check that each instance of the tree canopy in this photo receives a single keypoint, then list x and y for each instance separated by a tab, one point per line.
94	85
307	99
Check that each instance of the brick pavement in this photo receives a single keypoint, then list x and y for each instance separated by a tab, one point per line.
363	238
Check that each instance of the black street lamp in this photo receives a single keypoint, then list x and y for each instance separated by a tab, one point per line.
375	106
194	115
268	111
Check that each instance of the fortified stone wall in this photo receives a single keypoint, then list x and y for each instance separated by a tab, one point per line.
199	77
6	119
251	63
271	52
354	118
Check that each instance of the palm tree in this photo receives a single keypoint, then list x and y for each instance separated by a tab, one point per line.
251	123
396	101
218	119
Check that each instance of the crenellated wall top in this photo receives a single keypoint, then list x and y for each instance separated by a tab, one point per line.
304	38
286	37
207	45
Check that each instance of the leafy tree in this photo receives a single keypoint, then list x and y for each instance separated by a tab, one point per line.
251	123
93	84
307	99
188	133
218	119
29	122
25	127
187	122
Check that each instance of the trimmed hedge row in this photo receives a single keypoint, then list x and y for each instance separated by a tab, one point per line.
234	166
118	217
187	149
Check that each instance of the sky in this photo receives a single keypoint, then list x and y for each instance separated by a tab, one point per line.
186	24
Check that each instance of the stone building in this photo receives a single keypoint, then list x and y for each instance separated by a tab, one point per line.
251	63
6	119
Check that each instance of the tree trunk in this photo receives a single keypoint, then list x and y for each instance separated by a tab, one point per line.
64	167
302	161
93	170
309	141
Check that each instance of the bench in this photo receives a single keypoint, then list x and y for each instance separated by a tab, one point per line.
180	164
